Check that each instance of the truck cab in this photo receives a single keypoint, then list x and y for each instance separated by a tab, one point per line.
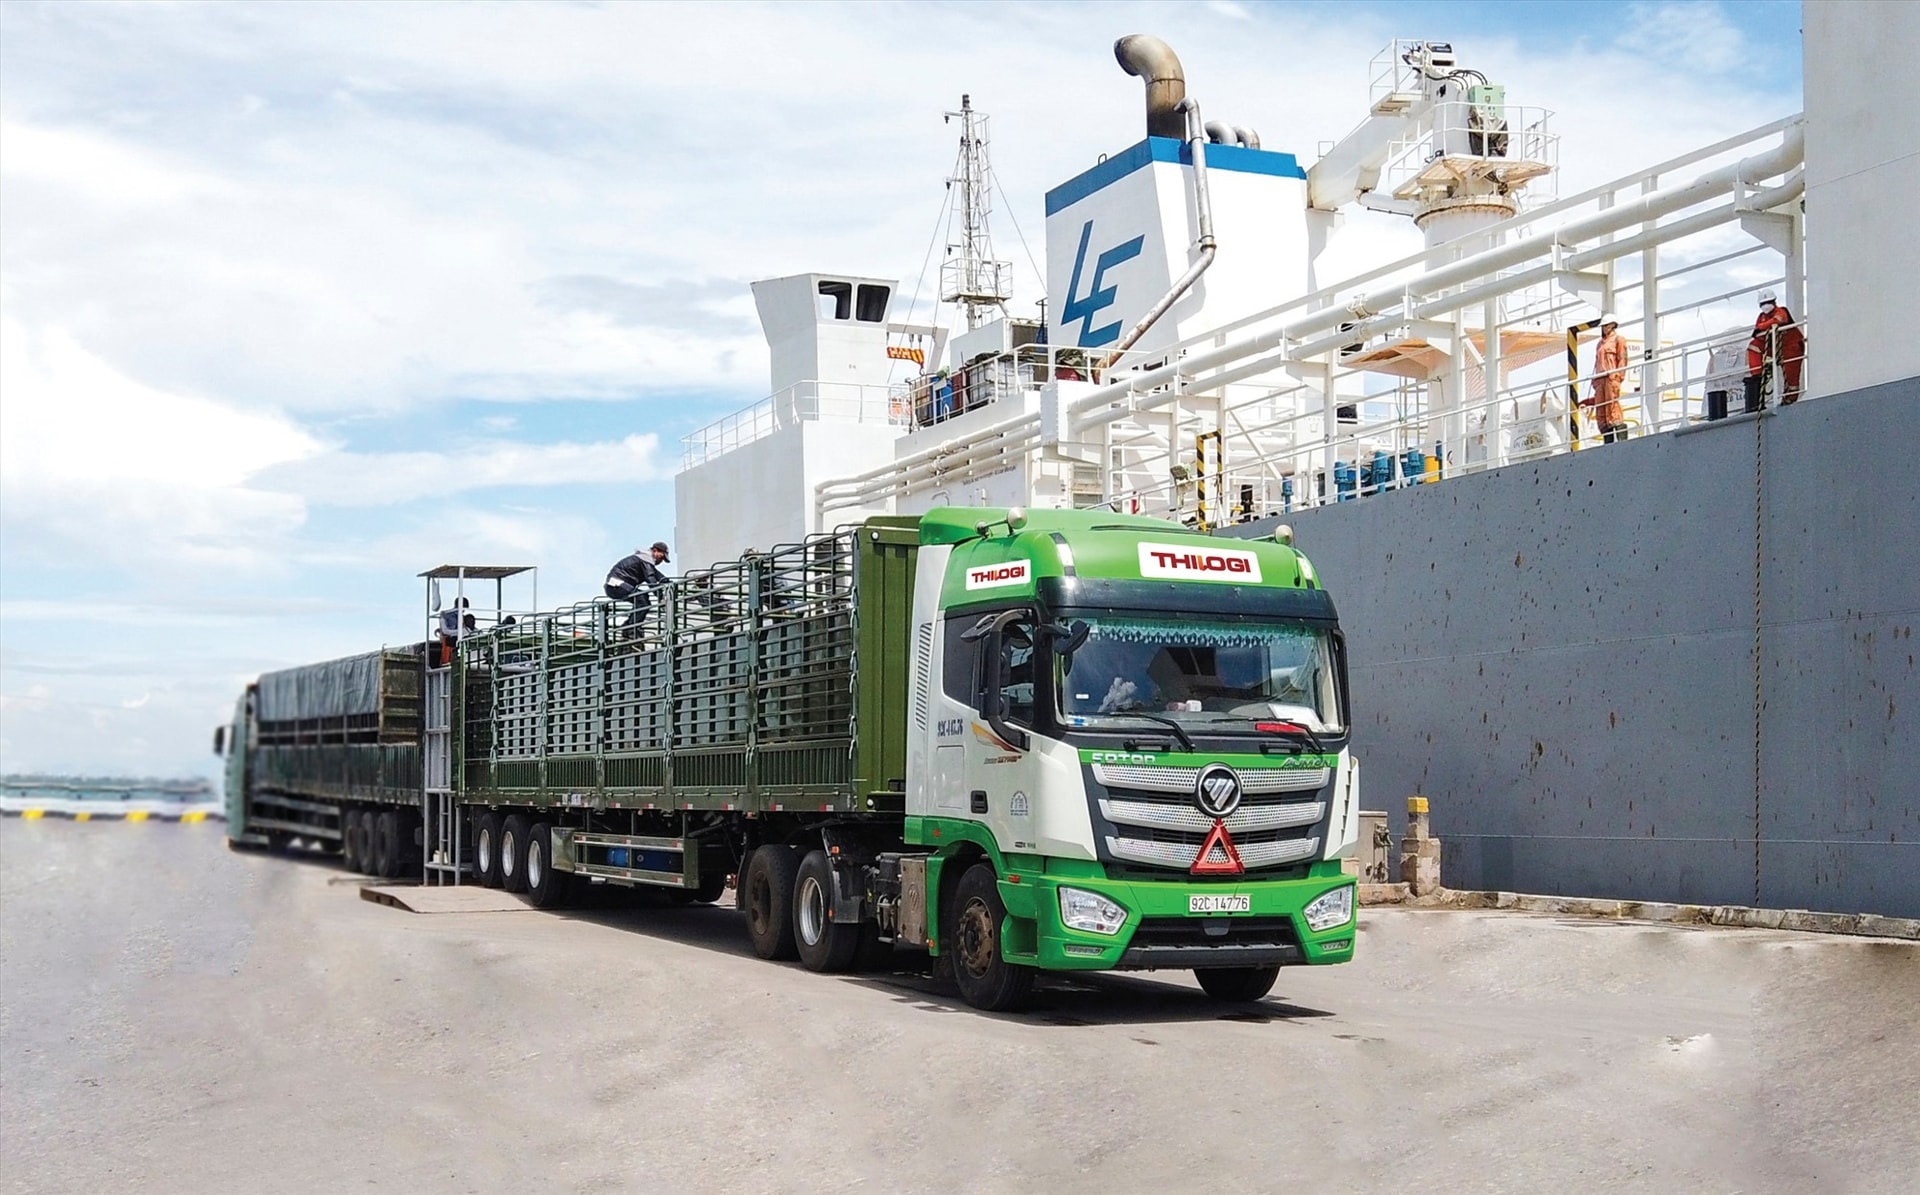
1142	733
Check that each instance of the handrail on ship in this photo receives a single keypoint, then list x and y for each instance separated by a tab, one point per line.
1316	329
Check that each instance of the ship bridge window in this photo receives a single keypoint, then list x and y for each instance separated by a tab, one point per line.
836	300
872	307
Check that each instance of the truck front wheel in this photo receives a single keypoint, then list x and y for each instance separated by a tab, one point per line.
986	980
769	899
1241	985
824	944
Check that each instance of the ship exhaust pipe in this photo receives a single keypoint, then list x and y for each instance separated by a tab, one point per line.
1147	57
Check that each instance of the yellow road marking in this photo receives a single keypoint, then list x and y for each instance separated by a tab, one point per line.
136	815
194	815
32	814
83	816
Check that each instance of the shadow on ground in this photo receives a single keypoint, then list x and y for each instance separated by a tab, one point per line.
907	978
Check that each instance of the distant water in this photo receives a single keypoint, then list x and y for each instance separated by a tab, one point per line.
107	796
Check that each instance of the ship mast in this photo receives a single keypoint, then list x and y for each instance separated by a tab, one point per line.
970	276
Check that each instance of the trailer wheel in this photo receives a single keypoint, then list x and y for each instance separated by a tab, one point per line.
352	840
486	849
985	978
546	887
513	852
386	845
1241	985
824	944
769	895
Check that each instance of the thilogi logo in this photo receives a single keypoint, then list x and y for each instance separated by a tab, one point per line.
993	576
1180	562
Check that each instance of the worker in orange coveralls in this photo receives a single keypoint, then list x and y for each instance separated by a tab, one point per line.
1776	337
1609	368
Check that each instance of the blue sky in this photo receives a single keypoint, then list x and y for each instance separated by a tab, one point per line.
296	300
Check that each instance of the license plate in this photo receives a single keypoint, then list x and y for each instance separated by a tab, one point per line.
1220	902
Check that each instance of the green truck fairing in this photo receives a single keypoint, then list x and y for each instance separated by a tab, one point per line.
1185	899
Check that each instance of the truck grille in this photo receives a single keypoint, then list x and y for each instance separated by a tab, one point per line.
1253	855
1154	821
1254	782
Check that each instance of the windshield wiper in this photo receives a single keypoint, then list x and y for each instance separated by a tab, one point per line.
1169	723
1296	730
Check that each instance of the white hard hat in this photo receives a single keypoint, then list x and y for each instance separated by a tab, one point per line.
1608	317
1767	296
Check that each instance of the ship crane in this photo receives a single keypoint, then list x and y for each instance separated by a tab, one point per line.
1440	144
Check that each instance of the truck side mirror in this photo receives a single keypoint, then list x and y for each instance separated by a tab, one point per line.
219	740
990	632
1067	638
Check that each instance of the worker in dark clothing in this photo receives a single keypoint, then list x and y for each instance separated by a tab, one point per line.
635	577
1777	339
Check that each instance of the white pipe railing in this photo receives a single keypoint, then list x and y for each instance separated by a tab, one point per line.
1443	289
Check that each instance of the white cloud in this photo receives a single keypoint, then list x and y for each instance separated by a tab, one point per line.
381	479
1698	37
226	230
68	416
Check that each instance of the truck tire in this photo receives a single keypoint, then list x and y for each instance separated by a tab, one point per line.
513	849
486	849
769	895
386	844
546	888
352	840
986	979
1241	985
824	944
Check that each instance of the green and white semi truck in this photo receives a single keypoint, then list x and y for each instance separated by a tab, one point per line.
1057	741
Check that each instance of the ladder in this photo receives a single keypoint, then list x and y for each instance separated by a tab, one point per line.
441	839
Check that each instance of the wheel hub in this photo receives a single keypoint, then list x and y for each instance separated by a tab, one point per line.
813	911
976	946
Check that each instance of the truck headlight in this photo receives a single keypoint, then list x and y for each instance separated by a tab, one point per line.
1330	909
1090	911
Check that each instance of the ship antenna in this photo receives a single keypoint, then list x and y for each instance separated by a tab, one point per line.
970	276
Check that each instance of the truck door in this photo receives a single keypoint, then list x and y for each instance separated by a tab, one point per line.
1001	762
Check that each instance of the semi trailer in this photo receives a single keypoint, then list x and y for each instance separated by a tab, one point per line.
1057	741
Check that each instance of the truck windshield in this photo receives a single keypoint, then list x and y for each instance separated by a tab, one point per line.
1198	673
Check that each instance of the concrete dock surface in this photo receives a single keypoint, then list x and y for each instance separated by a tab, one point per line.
178	1017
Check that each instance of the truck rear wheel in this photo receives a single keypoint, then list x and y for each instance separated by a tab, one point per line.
386	844
546	887
352	840
824	944
1242	985
513	853
486	849
769	896
986	979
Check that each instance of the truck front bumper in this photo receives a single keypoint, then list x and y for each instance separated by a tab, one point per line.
1161	932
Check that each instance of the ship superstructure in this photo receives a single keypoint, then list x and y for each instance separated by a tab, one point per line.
1195	362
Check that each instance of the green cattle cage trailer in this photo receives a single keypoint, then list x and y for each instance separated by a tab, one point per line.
1057	741
329	754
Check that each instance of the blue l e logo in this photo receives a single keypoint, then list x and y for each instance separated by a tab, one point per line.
1098	298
